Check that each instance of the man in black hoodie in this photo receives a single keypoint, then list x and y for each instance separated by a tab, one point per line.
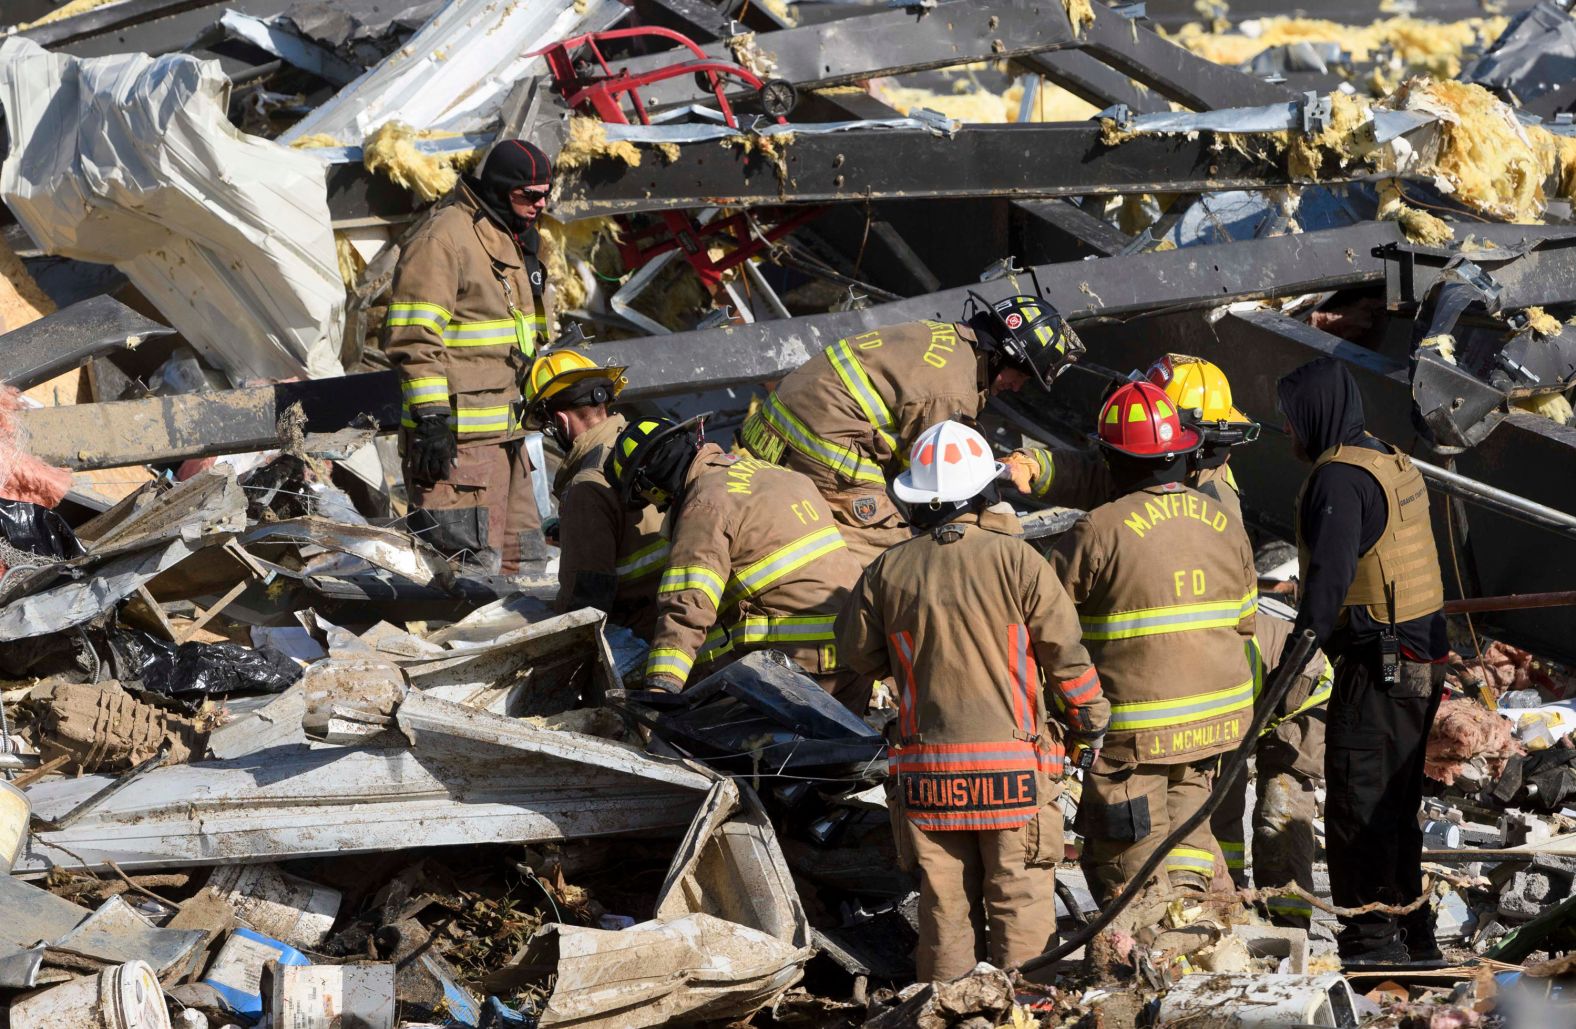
1371	593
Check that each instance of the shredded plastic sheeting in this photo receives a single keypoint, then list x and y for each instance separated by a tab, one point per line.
1433	47
391	152
131	161
1464	730
23	476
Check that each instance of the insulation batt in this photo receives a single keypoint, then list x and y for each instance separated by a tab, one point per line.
1428	46
391	151
1463	730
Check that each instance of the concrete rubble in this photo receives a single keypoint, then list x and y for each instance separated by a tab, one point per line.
272	759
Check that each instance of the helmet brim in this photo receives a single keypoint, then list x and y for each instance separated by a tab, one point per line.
614	374
903	488
1189	441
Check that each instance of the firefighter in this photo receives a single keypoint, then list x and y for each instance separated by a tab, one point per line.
1166	591
847	416
470	305
1289	761
756	563
1200	390
609	557
976	757
1372	594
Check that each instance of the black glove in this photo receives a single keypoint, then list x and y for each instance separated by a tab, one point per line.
432	449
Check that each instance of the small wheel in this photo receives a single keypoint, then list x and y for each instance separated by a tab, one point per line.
778	97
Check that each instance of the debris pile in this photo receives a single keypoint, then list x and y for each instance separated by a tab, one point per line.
275	753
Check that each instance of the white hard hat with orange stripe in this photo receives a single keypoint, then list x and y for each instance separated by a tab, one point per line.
948	463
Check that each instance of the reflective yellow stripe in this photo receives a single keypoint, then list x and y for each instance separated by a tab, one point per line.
643	561
1043	478
1154	621
839	459
693	577
432	389
488	333
1234	851
669	661
784	560
1191	859
859	386
758	629
483	419
416	312
1289	907
1150	714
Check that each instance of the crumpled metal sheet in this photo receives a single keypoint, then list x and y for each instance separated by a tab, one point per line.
113	933
456	72
130	160
82	600
1533	61
468	777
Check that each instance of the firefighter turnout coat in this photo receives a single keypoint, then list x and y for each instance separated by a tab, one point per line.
609	556
977	632
469	308
1166	593
847	417
757	563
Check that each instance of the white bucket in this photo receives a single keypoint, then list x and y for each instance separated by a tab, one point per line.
277	904
330	996
14	813
124	997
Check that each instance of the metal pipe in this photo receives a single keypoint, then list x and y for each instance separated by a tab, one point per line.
17	762
1512	602
1508	504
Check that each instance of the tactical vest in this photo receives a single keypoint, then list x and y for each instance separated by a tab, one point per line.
1404	560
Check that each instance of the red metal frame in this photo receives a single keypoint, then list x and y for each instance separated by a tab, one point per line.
603	95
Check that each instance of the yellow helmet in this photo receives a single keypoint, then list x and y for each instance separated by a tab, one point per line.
1197	385
556	373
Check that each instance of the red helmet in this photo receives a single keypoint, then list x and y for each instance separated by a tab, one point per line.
1140	420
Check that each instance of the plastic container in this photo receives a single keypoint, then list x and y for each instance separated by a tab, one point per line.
331	996
278	904
124	997
14	813
237	973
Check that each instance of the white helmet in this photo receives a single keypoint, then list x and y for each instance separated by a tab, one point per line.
948	463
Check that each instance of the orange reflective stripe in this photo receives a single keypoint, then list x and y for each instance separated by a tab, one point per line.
1078	690
1023	678
907	717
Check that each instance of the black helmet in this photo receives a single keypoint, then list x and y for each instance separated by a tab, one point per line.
1026	332
650	458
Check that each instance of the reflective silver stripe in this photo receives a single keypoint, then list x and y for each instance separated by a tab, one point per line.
857	382
645	560
1152	713
795	555
839	458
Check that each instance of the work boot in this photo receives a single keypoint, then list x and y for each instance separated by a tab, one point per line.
1417	933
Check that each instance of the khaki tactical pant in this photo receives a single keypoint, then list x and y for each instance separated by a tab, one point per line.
1290	765
984	895
1127	809
484	511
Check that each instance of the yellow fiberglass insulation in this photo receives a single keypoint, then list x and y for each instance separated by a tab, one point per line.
1444	343
1479	148
588	140
1542	322
1554	406
350	263
1349	137
1434	47
1079	13
391	152
1420	226
70	10
315	141
971	103
568	244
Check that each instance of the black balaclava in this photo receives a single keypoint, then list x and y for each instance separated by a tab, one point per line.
510	164
1131	474
1321	402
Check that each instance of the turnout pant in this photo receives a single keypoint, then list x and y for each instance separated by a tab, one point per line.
984	895
1374	770
484	510
1127	809
1290	766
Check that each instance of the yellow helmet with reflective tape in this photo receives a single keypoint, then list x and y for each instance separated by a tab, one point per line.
1197	385
568	378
